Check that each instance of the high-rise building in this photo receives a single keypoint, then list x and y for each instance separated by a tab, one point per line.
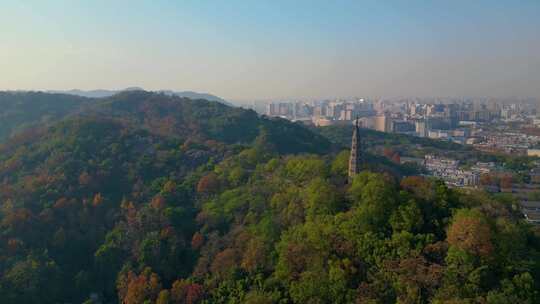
367	122
412	109
421	128
346	115
270	109
383	123
284	108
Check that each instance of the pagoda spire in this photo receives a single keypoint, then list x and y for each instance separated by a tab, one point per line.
355	159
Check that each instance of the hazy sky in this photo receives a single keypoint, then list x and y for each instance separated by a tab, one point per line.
274	49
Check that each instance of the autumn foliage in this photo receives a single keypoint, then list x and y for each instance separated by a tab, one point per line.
470	232
161	200
208	183
135	289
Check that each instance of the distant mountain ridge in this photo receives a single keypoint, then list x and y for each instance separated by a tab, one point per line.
162	113
100	93
21	110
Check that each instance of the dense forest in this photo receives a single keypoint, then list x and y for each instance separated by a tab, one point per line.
148	198
23	110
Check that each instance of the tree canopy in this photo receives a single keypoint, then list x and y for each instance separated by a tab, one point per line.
155	199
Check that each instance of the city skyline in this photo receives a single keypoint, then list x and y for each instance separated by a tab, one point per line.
275	50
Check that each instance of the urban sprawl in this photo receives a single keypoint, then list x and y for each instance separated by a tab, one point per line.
499	126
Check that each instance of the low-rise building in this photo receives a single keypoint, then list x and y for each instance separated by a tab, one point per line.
533	152
531	211
484	167
448	170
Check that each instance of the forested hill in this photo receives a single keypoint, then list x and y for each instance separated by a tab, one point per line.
108	93
158	113
200	119
67	187
22	110
148	198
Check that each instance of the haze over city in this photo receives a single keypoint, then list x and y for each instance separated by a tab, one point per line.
242	50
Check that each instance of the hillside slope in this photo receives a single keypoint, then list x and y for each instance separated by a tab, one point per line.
149	198
66	188
21	110
201	119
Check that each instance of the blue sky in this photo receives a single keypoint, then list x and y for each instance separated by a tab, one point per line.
275	49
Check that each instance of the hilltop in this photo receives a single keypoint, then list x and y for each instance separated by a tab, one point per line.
24	110
100	93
